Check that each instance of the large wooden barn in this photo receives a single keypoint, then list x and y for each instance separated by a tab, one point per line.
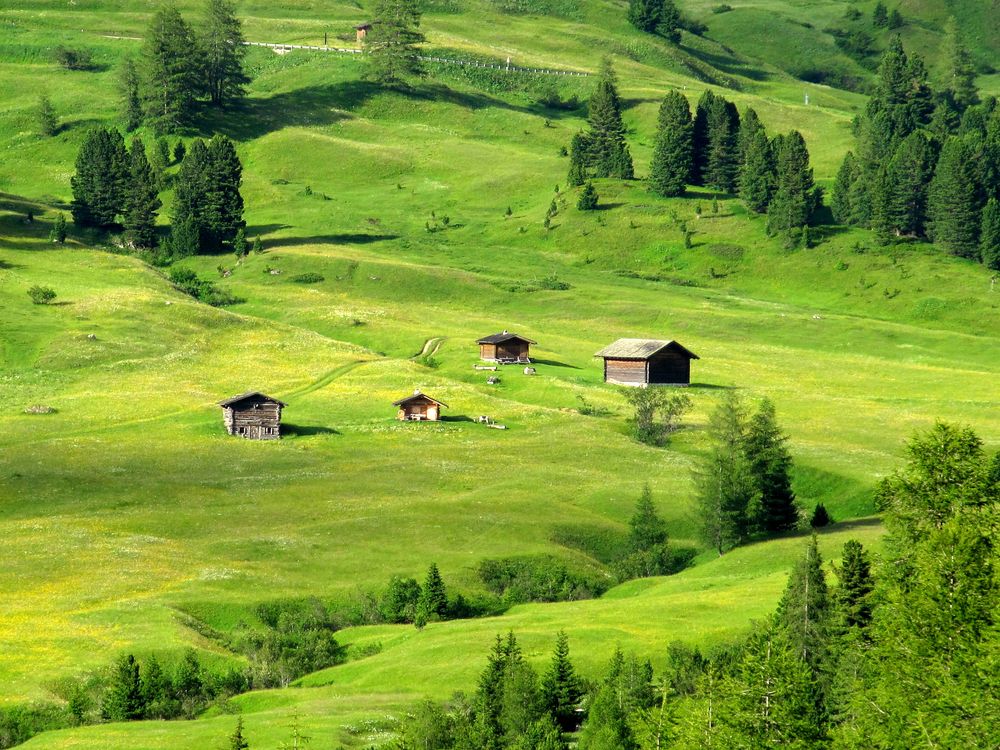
505	348
419	408
253	415
643	362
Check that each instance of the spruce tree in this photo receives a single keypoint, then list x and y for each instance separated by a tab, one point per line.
671	164
222	203
560	688
45	116
756	176
880	16
722	159
853	595
577	161
141	200
750	125
804	610
185	238
792	204
770	465
191	187
958	74
236	740
170	78
953	201
128	89
909	174
123	699
669	24
220	44
840	201
881	194
433	595
58	233
156	689
101	179
588	198
989	239
644	14
391	43
608	153
699	137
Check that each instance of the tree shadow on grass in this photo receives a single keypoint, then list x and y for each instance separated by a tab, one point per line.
552	363
262	229
303	430
457	418
714	386
8	266
729	64
347	238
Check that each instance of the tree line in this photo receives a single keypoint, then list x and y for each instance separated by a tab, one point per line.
898	654
926	160
178	67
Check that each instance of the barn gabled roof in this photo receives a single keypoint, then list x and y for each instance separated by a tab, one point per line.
248	395
641	349
499	338
418	396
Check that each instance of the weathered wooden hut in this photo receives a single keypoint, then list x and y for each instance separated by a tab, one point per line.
253	415
505	348
643	362
419	408
362	30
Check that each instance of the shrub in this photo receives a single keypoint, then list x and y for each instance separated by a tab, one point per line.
538	578
308	278
45	117
73	59
724	8
656	414
188	282
41	295
58	233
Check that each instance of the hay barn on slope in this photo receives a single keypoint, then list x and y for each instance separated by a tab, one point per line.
419	408
253	415
642	362
505	348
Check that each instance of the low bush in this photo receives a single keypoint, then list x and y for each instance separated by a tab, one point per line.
308	278
41	295
188	282
539	578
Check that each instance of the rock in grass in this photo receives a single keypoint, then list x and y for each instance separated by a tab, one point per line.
39	409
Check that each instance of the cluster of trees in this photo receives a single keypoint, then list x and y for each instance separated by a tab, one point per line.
405	600
744	486
646	550
899	654
178	66
656	17
926	158
717	148
601	151
115	185
883	18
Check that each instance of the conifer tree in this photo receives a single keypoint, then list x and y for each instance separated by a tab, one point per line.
958	74
750	125
953	201
647	529
222	51
58	233
170	78
222	210
101	179
128	89
588	198
722	158
156	688
607	726
989	240
159	160
756	176
236	740
804	610
185	238
141	199
644	14
45	116
860	199
577	161
669	23
699	137
840	202
608	153
881	194
560	687
853	595
391	43
880	15
792	204
433	595
671	164
191	188
909	174
770	464
123	699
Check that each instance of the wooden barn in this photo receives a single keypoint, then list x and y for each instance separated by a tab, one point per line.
253	415
419	408
643	362
505	348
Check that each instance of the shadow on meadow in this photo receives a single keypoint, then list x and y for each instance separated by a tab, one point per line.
306	430
345	238
729	64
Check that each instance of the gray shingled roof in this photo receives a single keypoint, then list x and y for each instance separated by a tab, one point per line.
250	394
499	338
418	395
640	349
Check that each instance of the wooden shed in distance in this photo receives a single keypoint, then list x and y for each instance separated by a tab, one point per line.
362	30
253	415
643	362
505	348
419	408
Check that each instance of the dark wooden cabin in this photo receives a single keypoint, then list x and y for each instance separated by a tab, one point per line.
643	362
253	415
419	408
505	348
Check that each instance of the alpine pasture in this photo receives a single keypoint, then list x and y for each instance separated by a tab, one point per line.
128	514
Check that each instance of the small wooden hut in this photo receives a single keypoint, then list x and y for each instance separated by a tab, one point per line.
419	408
505	348
642	362
362	30
253	415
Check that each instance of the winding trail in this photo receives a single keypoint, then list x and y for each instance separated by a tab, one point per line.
325	379
431	347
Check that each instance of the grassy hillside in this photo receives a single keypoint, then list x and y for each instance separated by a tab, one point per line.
128	509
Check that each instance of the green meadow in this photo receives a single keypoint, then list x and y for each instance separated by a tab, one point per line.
128	510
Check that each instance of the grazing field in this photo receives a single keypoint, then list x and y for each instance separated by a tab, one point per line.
127	510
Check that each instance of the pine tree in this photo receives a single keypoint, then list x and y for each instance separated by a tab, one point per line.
222	203
989	239
792	204
644	14
236	740
560	687
953	202
722	160
433	595
170	78
131	101
505	657
647	529
958	74
909	174
804	610
853	595
880	16
725	485
771	464
58	233
588	198
756	176
141	199
123	699
220	44
671	164
840	202
669	23
185	239
895	19
607	151
699	137
101	179
391	43
45	116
